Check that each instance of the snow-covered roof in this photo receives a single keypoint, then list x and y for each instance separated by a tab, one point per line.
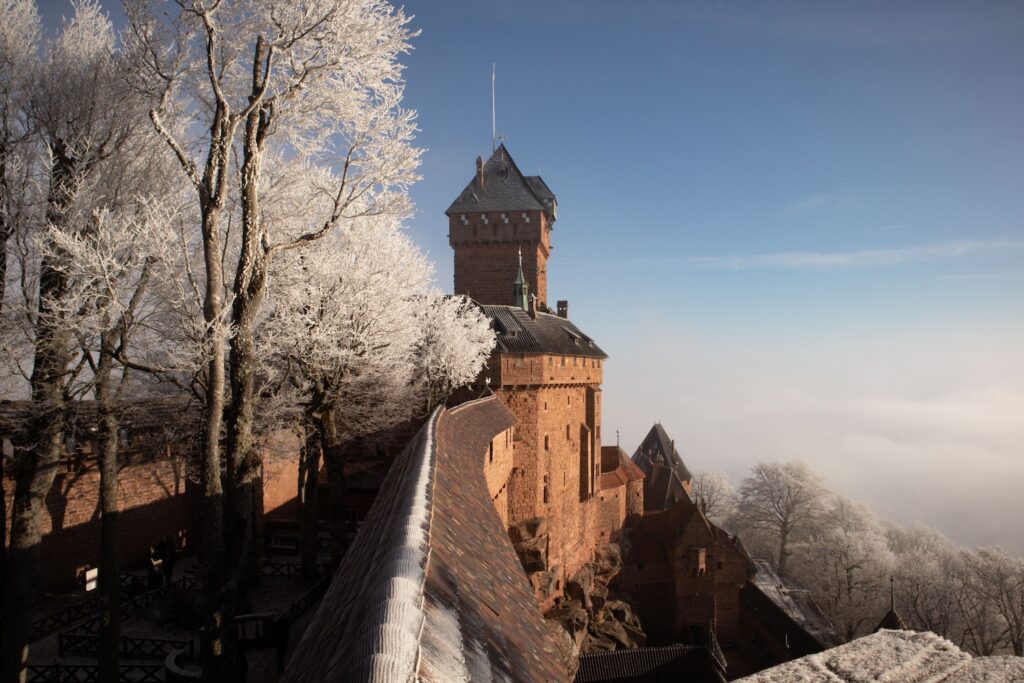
431	589
796	603
896	657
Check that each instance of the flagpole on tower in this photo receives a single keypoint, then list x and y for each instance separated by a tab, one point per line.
494	126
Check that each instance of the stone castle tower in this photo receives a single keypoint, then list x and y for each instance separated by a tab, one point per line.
501	215
554	488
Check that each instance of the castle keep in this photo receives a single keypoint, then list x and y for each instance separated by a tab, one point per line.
546	371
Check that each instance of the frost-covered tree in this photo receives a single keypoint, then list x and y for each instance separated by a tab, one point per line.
845	560
1000	578
78	118
19	43
714	493
455	339
780	499
343	328
318	81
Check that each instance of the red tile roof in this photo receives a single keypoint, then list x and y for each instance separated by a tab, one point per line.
431	588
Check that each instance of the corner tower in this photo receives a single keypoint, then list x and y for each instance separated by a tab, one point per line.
500	213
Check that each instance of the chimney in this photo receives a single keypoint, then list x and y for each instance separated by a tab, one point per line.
480	172
563	308
532	310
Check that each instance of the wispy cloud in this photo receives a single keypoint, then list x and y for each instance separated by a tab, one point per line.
844	260
815	202
981	276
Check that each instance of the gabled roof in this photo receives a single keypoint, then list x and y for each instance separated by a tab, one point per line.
616	468
432	589
505	188
517	332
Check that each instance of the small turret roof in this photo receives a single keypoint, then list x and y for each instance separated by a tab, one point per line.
505	188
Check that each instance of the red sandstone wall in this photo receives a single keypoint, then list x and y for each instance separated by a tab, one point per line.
487	249
498	463
281	475
153	501
511	369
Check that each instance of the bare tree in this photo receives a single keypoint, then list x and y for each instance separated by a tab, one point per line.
1001	581
780	499
713	492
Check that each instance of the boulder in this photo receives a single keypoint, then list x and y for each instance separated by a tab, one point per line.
543	584
530	529
533	554
580	586
608	561
573	618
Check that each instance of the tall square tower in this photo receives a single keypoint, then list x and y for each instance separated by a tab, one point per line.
500	215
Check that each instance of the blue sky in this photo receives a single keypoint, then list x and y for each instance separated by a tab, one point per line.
796	227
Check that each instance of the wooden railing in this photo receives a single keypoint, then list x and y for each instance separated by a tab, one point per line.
70	643
89	673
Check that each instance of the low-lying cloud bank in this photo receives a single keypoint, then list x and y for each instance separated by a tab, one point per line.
924	427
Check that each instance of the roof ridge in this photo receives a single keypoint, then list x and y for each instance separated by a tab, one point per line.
508	156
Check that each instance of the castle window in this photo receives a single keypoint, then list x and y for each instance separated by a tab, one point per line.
563	361
546	444
545	405
568	400
567	432
492	452
551	360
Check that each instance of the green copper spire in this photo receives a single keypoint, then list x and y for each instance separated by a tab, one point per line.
521	291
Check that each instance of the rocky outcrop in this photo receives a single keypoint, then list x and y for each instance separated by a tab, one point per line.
596	619
590	614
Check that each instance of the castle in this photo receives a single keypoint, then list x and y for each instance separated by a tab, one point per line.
546	371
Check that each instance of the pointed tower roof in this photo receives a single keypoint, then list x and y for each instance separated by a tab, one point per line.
663	469
503	188
521	291
892	619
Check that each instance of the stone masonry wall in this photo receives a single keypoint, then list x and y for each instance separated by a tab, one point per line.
498	463
487	249
154	504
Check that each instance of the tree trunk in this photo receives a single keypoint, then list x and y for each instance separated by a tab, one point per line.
311	470
334	460
109	583
244	458
216	658
783	551
37	466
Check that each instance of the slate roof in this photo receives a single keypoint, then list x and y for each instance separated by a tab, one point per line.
505	189
892	621
795	603
431	589
155	413
517	332
663	468
903	656
672	662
